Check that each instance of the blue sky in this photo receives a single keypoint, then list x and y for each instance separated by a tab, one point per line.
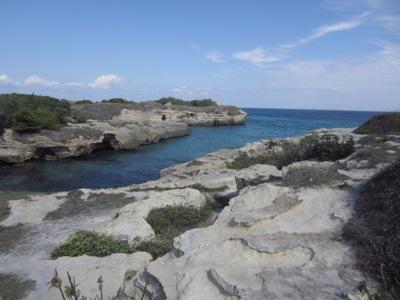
327	54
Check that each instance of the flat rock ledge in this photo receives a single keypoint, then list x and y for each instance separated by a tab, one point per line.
275	237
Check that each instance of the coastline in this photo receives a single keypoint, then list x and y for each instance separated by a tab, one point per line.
259	187
113	126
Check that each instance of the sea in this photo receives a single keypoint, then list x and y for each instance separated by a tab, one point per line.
107	168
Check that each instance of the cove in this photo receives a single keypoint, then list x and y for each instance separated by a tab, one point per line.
106	168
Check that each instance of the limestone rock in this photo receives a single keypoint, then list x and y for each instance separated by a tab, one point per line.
130	221
33	210
227	261
113	126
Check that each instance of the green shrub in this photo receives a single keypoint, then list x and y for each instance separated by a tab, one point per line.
168	222
41	112
90	243
157	247
26	119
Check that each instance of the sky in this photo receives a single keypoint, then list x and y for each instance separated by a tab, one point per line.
311	54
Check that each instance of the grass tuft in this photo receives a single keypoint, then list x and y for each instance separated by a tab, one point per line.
90	243
167	222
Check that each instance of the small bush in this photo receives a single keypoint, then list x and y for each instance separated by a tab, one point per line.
90	243
170	221
156	247
388	123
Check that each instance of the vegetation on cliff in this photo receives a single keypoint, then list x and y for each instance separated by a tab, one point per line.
167	223
116	100
24	112
195	102
90	243
387	123
326	147
374	230
30	113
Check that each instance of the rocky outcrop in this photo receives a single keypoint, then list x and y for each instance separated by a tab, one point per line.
130	221
113	126
275	237
155	112
79	139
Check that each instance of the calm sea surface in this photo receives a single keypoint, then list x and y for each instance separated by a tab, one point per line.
104	169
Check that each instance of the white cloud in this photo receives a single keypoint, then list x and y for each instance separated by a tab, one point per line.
370	82
105	81
36	80
74	83
385	14
5	79
354	6
181	90
256	56
324	30
191	91
390	23
214	56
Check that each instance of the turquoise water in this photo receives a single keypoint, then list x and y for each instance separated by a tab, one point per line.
106	168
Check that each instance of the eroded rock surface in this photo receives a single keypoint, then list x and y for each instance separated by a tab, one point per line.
276	238
113	126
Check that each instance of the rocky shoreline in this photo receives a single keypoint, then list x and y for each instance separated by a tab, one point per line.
275	235
114	126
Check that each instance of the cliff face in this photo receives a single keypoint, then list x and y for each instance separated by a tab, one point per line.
113	126
155	112
276	236
78	139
